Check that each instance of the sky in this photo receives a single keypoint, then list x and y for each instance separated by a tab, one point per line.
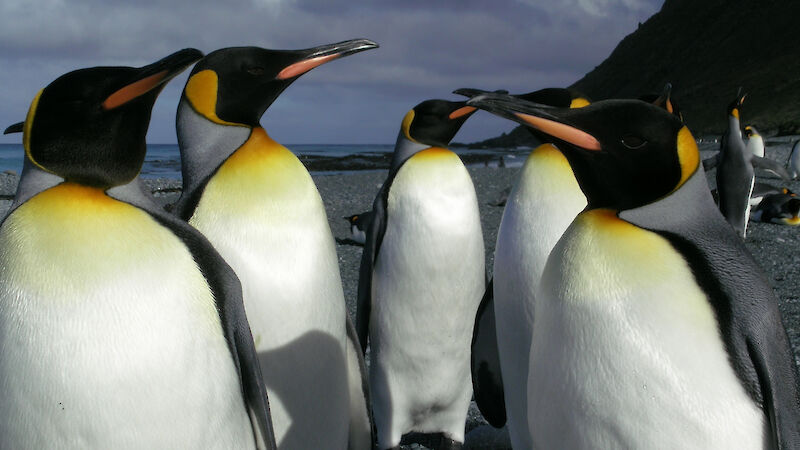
428	48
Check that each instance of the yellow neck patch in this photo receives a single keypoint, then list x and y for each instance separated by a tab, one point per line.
406	125
26	130
201	91
434	153
579	102
258	180
688	155
549	152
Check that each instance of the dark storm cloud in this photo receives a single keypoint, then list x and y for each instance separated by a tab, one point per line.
427	50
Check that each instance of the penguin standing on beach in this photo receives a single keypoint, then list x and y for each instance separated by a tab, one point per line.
735	174
421	280
120	326
258	205
654	324
540	206
754	142
793	164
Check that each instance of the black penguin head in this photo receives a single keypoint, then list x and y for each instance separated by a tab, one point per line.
664	100
435	122
750	131
625	153
735	106
89	125
236	85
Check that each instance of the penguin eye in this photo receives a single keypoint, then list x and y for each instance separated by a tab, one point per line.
633	142
255	70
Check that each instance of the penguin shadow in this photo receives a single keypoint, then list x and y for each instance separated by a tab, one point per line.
299	375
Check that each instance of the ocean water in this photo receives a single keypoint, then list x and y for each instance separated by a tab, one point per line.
163	160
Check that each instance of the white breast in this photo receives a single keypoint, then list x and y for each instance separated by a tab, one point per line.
627	351
428	282
109	336
263	213
543	203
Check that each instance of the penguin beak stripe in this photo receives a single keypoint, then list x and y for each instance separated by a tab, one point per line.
561	131
669	107
134	90
301	67
460	112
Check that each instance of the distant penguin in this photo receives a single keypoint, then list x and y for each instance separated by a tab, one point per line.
421	280
258	205
358	226
761	190
539	208
754	142
793	164
120	326
735	175
653	321
779	208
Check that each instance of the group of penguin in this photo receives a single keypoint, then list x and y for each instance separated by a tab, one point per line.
621	312
737	190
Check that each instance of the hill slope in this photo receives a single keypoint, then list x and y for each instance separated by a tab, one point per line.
707	49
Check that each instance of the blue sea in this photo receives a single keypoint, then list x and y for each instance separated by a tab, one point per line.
163	160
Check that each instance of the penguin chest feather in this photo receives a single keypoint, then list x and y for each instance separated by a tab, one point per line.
428	282
263	213
626	350
109	335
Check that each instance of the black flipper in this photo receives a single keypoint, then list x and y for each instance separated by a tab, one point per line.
362	426
487	382
227	292
375	232
772	166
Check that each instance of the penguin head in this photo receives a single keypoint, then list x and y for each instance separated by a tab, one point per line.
435	122
557	97
236	85
624	153
89	125
750	131
735	106
664	100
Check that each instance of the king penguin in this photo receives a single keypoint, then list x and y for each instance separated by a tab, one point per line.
793	163
120	326
654	324
541	205
259	207
421	279
735	174
754	143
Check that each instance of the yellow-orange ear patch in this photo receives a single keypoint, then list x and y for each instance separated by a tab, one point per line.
406	124
688	154
134	90
28	126
579	102
201	91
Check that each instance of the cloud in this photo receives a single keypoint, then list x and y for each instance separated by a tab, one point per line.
427	50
